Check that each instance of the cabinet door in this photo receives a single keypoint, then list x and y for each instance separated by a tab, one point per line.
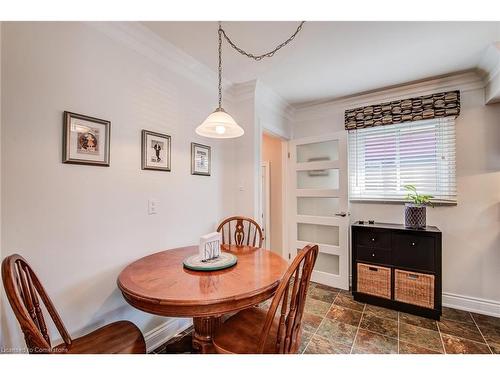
413	251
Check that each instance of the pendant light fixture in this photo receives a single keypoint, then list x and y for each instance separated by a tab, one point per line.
220	124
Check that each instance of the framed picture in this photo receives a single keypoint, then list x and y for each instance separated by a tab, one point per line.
85	140
155	151
201	159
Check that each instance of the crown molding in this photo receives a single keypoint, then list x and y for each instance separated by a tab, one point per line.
463	81
275	114
490	68
147	43
239	92
489	65
273	102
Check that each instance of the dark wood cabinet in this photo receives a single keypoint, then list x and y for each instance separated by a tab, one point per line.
412	258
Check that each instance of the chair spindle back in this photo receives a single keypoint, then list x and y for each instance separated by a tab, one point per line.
241	231
289	301
24	292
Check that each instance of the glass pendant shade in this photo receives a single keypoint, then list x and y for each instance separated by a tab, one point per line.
219	124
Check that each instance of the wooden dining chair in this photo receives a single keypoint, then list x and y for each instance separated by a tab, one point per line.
277	330
24	292
241	231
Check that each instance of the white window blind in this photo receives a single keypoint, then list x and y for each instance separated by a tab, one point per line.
383	159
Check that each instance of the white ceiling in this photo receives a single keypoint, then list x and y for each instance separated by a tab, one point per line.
333	59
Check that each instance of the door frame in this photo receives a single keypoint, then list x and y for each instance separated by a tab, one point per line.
266	165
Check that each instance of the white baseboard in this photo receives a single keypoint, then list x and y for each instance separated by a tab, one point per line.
165	331
466	303
472	304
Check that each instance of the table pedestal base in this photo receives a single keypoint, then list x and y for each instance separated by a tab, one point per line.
204	329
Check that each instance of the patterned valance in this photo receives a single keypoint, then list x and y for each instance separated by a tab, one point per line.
443	104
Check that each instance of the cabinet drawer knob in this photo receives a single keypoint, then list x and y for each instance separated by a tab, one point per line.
413	244
373	239
373	254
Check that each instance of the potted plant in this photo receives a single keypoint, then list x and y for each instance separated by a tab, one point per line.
415	210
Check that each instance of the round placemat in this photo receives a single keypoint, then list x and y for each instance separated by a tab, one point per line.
225	260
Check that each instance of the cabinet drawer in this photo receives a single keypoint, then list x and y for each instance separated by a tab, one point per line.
375	255
371	237
413	251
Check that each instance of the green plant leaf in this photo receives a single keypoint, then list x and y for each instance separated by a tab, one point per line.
416	198
411	188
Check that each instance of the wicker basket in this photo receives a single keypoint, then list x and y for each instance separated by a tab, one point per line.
414	288
374	280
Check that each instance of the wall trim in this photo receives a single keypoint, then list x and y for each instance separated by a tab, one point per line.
273	102
490	62
472	304
490	66
240	92
165	331
463	81
466	303
141	39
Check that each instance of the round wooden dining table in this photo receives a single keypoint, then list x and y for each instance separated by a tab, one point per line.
159	284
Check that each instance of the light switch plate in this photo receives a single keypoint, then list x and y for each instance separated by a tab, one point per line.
152	206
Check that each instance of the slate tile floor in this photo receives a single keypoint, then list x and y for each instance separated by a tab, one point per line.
334	323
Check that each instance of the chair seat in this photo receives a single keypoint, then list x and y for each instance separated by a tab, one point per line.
116	338
241	333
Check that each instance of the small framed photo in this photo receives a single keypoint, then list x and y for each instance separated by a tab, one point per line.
155	151
201	159
85	140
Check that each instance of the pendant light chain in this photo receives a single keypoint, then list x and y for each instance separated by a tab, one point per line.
220	124
220	66
271	53
267	54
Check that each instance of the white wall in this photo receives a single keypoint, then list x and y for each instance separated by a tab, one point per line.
471	230
79	226
246	159
256	108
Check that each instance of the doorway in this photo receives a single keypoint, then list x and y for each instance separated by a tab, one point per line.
272	194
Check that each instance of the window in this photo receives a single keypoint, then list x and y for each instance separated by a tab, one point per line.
383	159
